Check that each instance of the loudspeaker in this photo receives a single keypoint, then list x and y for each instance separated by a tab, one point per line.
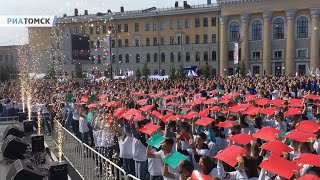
37	143
13	130
28	126
21	170
13	147
58	170
22	116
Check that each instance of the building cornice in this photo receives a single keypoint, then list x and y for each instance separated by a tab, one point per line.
223	2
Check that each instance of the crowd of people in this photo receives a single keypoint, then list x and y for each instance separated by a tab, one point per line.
226	128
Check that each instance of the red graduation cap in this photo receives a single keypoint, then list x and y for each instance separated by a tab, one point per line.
280	166
191	115
239	108
201	99
252	110
84	98
235	94
204	121
166	117
292	111
119	112
295	102
227	97
146	108
93	105
175	90
142	101
79	103
311	96
269	111
215	109
276	147
213	92
249	98
204	113
307	158
299	136
224	101
211	101
196	175
129	113
241	138
113	104
262	102
103	103
226	123
277	102
149	128
157	114
267	133
139	118
168	97
308	126
136	93
178	95
229	155
104	96
309	177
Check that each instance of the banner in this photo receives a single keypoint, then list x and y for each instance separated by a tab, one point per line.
106	50
28	21
236	53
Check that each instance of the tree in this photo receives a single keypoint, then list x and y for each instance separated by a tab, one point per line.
172	73
206	71
138	74
181	74
50	74
145	71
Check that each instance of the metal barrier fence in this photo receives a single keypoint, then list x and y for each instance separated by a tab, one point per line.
89	163
10	118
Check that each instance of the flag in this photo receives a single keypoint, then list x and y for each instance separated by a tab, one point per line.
236	53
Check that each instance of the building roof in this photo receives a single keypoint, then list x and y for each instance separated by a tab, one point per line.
11	48
236	1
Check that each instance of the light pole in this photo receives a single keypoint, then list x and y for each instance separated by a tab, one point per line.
283	71
110	30
239	57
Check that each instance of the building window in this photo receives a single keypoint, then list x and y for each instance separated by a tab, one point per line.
104	29
197	22
230	55
0	57
147	26
161	25
179	39
187	57
256	55
83	30
162	41
205	56
205	22
230	71
278	28
91	30
278	54
136	27
187	39
179	24
126	42
91	45
205	39
302	27
155	26
155	41
256	30
214	56
172	57
113	58
163	72
155	57
97	30
197	39
148	57
92	59
147	41
179	56
163	57
155	72
187	23
137	58
302	53
127	58
98	43
59	60
171	40
213	21
197	56
119	43
137	42
119	28
126	28
99	59
77	29
234	31
120	58
58	45
171	24
214	38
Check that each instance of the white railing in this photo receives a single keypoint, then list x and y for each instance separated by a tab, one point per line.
89	163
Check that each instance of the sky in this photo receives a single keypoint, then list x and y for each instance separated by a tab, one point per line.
13	36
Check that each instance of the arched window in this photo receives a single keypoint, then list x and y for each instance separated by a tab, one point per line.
172	57
187	57
163	72
205	56
302	27
155	72
127	58
148	57
155	57
98	43
113	58
163	57
214	56
155	41
137	42
120	58
99	59
256	31
197	56
171	40
137	58
92	59
234	31
179	56
278	28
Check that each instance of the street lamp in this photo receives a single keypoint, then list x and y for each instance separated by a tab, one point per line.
111	57
240	40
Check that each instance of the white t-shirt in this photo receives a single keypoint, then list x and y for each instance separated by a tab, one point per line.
125	147
83	126
75	116
155	165
139	150
161	155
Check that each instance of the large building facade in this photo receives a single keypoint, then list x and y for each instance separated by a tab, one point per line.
275	37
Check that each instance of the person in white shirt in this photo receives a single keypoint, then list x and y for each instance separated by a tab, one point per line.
83	126
75	125
125	145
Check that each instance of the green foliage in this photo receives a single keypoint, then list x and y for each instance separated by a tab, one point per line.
9	72
50	74
138	74
145	71
181	74
172	73
206	72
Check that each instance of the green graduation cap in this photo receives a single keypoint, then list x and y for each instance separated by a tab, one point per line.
92	97
219	91
183	112
288	141
156	140
174	160
69	97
